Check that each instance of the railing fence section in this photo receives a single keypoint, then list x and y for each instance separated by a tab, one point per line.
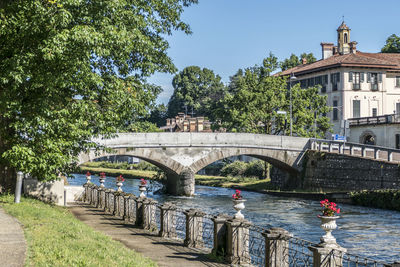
238	241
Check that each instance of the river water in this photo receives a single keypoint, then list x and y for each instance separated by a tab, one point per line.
368	232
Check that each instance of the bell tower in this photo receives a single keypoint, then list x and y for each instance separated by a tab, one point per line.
343	42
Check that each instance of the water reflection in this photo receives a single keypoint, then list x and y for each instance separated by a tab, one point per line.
364	231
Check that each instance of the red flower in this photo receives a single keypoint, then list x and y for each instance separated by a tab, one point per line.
329	208
120	178
143	182
102	175
88	174
237	195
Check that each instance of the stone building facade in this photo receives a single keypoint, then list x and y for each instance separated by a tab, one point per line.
357	84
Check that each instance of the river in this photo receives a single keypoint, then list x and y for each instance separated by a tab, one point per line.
368	232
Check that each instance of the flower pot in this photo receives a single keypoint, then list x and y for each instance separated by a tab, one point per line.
328	224
142	189
238	205
102	180
119	185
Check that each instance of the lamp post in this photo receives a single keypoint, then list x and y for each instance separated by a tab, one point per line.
292	78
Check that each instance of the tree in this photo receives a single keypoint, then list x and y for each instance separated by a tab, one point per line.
197	89
158	115
392	44
294	61
73	70
264	95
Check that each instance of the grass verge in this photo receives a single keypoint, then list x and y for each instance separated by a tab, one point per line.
56	238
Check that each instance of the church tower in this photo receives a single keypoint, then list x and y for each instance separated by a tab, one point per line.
343	43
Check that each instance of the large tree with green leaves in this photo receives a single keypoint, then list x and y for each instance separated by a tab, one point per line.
195	88
255	97
392	44
71	70
294	60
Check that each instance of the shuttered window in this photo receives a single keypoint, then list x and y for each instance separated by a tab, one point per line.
356	108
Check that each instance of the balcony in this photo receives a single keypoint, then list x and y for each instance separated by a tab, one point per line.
356	86
374	86
384	119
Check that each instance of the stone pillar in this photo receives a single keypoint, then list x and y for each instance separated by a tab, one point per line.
116	203
168	221
194	228
99	197
139	211
327	255
86	196
276	247
238	240
111	201
132	208
149	214
181	184
126	216
220	232
107	200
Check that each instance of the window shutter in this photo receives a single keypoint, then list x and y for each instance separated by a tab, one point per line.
338	76
368	77
362	77
326	79
380	77
350	76
331	77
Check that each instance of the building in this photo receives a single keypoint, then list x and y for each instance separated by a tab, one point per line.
185	123
357	84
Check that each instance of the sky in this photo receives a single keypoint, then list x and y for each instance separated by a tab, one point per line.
232	34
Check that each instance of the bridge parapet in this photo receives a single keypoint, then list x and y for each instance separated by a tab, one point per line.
354	149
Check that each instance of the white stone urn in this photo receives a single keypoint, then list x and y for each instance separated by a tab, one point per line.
142	189
328	224
119	185
102	180
88	178
238	205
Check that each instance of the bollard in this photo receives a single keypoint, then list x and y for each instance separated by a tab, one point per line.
277	247
18	187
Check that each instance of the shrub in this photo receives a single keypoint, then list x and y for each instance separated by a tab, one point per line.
384	199
236	168
255	169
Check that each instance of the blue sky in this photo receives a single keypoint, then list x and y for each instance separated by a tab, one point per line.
232	34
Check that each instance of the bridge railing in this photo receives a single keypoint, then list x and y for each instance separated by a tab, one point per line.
237	241
354	149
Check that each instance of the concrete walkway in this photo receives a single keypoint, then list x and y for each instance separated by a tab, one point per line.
165	252
12	241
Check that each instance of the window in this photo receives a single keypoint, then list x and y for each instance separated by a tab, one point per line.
397	141
397	108
356	108
345	38
397	81
335	79
356	78
374	112
335	110
374	78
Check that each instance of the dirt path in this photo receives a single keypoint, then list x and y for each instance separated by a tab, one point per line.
165	252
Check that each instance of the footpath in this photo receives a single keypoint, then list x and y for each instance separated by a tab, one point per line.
165	252
12	241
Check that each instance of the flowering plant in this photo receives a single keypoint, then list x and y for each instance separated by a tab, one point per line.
237	195
120	178
102	175
329	208
88	174
143	182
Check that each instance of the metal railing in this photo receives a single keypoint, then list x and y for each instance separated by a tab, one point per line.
373	120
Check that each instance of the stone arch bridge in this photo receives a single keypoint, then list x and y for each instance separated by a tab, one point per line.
181	155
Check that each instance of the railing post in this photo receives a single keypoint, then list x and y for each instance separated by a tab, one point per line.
351	150
132	208
330	147
390	156
168	221
149	214
277	247
86	196
139	211
220	232
319	146
363	152
376	153
238	240
99	193
106	200
111	201
327	256
194	228
341	148
116	203
125	216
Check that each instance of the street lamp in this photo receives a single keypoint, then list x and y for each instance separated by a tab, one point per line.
292	78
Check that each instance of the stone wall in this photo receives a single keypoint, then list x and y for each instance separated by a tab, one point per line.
52	191
331	171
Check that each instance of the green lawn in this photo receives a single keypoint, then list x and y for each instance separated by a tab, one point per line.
56	238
